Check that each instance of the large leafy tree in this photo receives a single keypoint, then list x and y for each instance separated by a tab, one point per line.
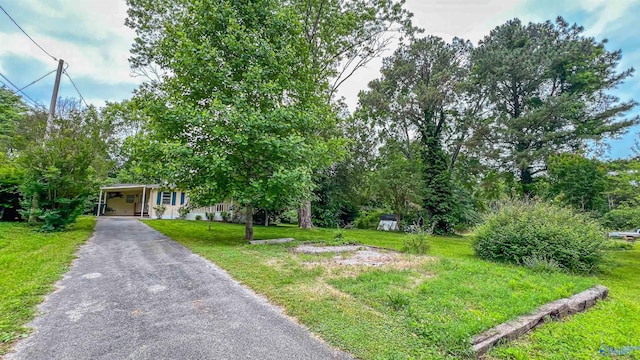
238	107
417	95
402	194
342	37
12	109
623	183
549	93
62	169
577	181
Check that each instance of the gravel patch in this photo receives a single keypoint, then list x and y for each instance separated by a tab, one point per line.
271	241
310	249
358	255
366	257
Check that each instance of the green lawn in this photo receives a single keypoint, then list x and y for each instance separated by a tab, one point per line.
30	262
428	307
614	323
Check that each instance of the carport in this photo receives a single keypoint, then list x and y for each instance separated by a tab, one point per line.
125	200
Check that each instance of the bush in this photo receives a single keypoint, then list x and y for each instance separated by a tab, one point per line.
417	243
183	211
368	219
198	217
533	233
289	217
160	209
622	218
66	214
617	245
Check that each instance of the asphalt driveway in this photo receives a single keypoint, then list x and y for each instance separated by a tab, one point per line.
135	294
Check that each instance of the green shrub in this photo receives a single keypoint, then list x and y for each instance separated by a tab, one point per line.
614	245
289	217
368	219
160	209
417	243
532	233
66	214
622	218
198	217
183	211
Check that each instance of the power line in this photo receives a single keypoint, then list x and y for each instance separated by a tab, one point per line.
35	81
25	99
74	85
24	32
17	88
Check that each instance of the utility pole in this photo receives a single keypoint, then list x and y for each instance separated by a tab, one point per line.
52	111
54	99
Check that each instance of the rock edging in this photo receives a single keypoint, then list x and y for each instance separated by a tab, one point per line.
271	241
555	310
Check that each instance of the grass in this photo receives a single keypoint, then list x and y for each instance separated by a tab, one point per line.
30	263
427	307
613	324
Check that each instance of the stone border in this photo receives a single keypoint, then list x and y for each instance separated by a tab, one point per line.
271	241
555	310
314	249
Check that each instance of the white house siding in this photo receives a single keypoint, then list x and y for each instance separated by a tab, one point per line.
174	199
177	199
217	210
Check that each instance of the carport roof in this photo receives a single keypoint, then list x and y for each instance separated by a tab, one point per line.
129	186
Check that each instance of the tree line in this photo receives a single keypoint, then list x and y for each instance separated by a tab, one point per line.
240	101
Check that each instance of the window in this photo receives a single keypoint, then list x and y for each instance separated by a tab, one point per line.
131	199
166	198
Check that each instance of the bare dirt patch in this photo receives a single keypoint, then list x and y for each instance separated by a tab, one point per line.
310	249
358	255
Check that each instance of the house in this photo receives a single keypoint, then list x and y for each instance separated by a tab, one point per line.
139	200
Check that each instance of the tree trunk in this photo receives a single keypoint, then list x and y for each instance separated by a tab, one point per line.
34	208
526	181
266	218
437	199
304	216
248	229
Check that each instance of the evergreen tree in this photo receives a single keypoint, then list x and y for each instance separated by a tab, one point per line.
548	86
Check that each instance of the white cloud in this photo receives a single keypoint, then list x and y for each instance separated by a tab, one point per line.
89	35
468	19
606	14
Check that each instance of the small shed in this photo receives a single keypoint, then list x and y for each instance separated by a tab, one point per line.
388	222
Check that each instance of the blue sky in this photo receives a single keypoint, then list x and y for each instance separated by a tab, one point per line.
91	37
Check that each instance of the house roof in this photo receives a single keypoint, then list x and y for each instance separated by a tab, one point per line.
129	186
